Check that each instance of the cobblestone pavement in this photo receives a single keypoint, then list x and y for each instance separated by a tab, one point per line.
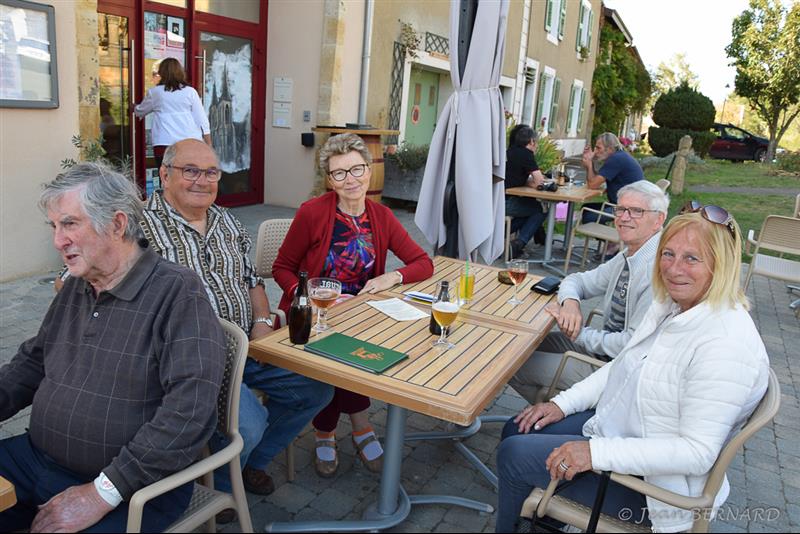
765	477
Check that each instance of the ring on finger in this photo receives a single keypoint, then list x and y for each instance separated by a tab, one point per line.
563	466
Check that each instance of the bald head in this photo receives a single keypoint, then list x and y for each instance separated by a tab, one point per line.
184	193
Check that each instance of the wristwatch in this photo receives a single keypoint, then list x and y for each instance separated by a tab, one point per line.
266	320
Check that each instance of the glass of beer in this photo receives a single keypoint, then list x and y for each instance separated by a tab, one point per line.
445	310
323	292
517	271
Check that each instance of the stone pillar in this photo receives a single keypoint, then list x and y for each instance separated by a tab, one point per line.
681	159
86	41
330	68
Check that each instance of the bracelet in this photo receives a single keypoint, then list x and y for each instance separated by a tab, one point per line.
400	283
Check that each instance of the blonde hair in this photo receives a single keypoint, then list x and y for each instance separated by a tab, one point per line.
718	244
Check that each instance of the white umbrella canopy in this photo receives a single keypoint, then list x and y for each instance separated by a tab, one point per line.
473	124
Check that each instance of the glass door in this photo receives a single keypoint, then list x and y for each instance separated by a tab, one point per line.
114	55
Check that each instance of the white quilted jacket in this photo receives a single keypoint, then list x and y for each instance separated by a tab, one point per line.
703	376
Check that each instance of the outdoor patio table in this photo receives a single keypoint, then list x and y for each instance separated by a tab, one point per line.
492	340
8	497
568	194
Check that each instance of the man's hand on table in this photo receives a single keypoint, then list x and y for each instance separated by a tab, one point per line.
74	509
568	316
538	416
576	456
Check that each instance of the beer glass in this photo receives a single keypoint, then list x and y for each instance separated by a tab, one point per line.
445	310
517	271
323	292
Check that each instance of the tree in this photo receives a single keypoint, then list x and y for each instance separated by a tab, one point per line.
672	74
765	50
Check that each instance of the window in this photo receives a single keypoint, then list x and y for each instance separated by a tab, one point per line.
555	17
28	63
577	104
530	91
583	39
547	105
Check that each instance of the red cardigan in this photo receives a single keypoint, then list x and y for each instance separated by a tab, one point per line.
309	240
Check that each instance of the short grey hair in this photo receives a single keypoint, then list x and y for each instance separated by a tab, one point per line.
609	140
339	145
172	151
102	192
656	199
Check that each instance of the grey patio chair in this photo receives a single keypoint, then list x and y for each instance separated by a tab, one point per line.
663	184
778	234
545	503
597	230
207	502
271	234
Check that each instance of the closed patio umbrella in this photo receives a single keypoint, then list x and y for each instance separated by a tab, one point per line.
472	124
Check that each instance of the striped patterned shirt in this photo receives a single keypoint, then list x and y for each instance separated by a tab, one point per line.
615	322
221	257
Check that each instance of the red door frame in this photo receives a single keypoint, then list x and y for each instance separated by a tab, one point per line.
194	23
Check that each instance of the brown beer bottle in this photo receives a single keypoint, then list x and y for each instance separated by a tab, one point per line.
434	328
300	313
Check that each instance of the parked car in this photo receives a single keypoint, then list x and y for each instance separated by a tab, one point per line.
736	144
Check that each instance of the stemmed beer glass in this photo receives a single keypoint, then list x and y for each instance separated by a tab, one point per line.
517	271
445	310
323	292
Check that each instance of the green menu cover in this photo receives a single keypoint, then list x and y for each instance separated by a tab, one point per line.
352	351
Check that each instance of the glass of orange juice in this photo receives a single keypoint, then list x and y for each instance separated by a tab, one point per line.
466	287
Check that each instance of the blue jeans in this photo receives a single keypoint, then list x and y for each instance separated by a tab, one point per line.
527	216
293	401
521	467
37	478
590	217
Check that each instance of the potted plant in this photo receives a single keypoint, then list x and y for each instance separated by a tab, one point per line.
403	171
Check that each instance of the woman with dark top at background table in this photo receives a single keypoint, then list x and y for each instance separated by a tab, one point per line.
521	169
178	113
345	236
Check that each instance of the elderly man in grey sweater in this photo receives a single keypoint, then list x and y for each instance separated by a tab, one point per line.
624	283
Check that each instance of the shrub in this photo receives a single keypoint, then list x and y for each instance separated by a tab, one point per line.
789	161
547	154
409	157
664	141
683	108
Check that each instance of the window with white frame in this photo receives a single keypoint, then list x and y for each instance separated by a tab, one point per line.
577	104
583	39
555	17
547	104
528	95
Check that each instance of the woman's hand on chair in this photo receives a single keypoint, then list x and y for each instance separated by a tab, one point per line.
569	459
538	416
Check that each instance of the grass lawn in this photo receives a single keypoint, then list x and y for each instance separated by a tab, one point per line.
720	173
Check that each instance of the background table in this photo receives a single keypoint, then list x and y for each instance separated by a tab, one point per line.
8	497
568	194
493	339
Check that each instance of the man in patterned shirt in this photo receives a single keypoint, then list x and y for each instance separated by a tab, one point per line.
123	376
624	282
184	225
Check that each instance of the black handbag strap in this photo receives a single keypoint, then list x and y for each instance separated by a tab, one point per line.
602	486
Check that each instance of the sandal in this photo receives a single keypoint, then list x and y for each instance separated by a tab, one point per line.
326	468
373	465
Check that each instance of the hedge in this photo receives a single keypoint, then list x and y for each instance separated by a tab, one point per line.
664	141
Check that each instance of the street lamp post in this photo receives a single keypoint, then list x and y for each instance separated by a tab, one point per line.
722	118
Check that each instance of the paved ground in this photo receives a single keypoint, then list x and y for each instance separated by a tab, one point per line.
765	477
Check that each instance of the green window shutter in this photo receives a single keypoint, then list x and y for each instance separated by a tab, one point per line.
562	19
589	33
548	16
551	122
571	107
580	28
540	103
580	113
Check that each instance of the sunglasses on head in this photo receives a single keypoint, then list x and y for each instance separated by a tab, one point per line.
713	214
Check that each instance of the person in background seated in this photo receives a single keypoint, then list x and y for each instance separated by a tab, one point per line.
618	169
624	283
689	377
521	169
123	376
185	226
345	236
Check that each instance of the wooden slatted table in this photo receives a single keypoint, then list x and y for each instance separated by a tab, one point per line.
492	340
568	194
8	497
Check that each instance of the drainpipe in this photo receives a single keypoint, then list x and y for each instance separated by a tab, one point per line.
362	97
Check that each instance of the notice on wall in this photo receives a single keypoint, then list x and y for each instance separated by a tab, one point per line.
282	89
281	115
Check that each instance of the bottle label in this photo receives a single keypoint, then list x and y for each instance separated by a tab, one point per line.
302	301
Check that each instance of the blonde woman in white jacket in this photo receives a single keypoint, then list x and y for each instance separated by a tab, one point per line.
691	375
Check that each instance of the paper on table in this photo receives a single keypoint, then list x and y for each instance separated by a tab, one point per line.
398	310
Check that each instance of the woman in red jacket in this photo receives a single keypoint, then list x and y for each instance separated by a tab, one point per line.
343	235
